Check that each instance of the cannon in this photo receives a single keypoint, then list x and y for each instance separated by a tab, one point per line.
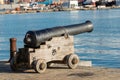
46	47
35	38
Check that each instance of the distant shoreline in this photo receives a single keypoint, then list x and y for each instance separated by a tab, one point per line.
52	10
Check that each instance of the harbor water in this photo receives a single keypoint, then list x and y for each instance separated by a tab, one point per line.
102	46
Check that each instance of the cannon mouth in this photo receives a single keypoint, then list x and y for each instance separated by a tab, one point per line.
30	39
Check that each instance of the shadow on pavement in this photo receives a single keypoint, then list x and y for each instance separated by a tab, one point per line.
5	67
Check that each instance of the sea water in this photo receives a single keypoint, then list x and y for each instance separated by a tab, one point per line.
102	46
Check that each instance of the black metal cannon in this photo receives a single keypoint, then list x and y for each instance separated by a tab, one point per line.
46	47
35	38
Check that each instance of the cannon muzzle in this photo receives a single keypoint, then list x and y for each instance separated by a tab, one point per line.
35	38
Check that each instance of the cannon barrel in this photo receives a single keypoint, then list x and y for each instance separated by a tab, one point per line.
35	38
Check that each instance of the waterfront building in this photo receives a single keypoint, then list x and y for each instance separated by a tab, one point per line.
73	3
70	3
46	2
58	1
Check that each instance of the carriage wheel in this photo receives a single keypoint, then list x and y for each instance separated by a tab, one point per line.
40	66
72	61
12	65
